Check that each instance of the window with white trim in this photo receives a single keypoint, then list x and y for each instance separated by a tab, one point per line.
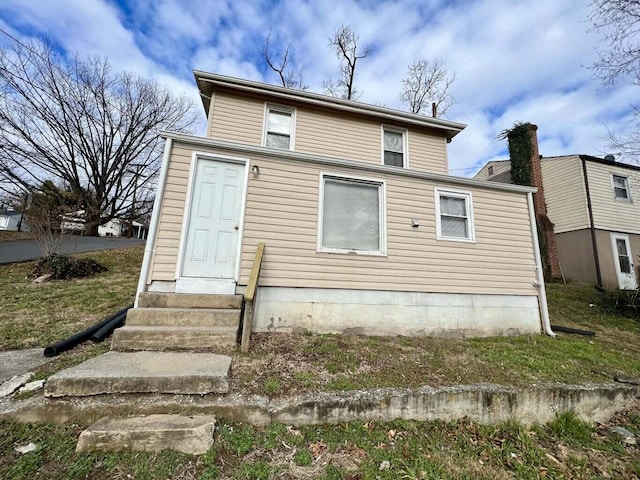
394	147
621	187
454	215
351	215
279	127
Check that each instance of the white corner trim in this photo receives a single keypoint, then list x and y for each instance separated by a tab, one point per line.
150	245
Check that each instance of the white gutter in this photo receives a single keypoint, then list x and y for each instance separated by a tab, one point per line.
539	283
150	246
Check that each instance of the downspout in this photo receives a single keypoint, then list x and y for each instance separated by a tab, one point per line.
594	242
539	284
150	245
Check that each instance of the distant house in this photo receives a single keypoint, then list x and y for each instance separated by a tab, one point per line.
594	205
12	220
117	227
365	231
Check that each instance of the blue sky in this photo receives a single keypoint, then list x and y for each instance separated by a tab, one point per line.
514	60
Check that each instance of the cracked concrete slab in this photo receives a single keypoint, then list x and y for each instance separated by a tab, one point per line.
15	362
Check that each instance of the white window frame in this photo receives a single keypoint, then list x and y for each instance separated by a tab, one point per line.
626	186
382	212
405	144
467	196
269	107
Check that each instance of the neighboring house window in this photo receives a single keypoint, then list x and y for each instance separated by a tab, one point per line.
279	127
621	187
394	151
490	169
454	215
351	215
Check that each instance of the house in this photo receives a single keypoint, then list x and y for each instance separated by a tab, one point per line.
117	227
365	231
593	205
12	220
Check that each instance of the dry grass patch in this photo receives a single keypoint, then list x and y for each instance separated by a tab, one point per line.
35	315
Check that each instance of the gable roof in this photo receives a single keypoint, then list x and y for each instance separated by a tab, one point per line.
207	82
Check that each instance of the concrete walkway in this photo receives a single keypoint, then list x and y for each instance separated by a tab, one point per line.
25	250
15	362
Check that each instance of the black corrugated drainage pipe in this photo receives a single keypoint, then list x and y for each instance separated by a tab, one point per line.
68	343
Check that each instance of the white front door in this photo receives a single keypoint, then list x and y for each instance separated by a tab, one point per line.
212	233
623	260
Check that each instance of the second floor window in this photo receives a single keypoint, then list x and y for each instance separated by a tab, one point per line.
279	128
393	147
621	188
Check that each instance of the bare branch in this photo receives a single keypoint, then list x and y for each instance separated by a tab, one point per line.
426	83
618	21
289	76
345	42
79	124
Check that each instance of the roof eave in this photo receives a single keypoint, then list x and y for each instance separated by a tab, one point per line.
388	114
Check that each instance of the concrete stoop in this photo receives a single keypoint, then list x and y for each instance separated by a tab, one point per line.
169	321
143	372
153	433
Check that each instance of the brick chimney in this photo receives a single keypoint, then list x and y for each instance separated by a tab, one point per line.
545	226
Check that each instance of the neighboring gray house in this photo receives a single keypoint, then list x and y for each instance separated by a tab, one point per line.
594	204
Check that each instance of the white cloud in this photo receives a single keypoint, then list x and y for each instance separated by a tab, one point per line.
514	60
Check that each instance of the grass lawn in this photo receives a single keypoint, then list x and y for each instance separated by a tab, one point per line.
565	448
281	364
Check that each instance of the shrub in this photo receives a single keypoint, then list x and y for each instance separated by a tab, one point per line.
62	267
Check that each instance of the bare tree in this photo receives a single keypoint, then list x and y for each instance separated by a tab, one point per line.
345	42
289	76
427	83
80	124
618	21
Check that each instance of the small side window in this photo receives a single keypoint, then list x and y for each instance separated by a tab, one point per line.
394	147
621	188
279	127
454	216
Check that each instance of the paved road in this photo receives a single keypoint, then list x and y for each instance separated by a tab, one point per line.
23	250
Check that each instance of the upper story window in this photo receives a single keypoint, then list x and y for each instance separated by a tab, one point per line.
352	215
454	216
490	170
279	127
394	147
621	187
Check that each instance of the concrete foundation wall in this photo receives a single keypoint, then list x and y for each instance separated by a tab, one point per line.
575	254
367	312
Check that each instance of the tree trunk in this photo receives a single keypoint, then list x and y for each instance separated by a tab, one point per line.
92	222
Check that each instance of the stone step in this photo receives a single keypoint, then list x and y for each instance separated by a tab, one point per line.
187	373
194	317
188	300
138	337
153	433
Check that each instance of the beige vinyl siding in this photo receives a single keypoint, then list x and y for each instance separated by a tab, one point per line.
428	153
171	215
319	131
501	172
565	193
237	119
282	211
609	213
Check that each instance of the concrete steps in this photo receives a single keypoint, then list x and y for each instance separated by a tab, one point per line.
171	337
169	321
183	300
187	373
185	317
153	433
